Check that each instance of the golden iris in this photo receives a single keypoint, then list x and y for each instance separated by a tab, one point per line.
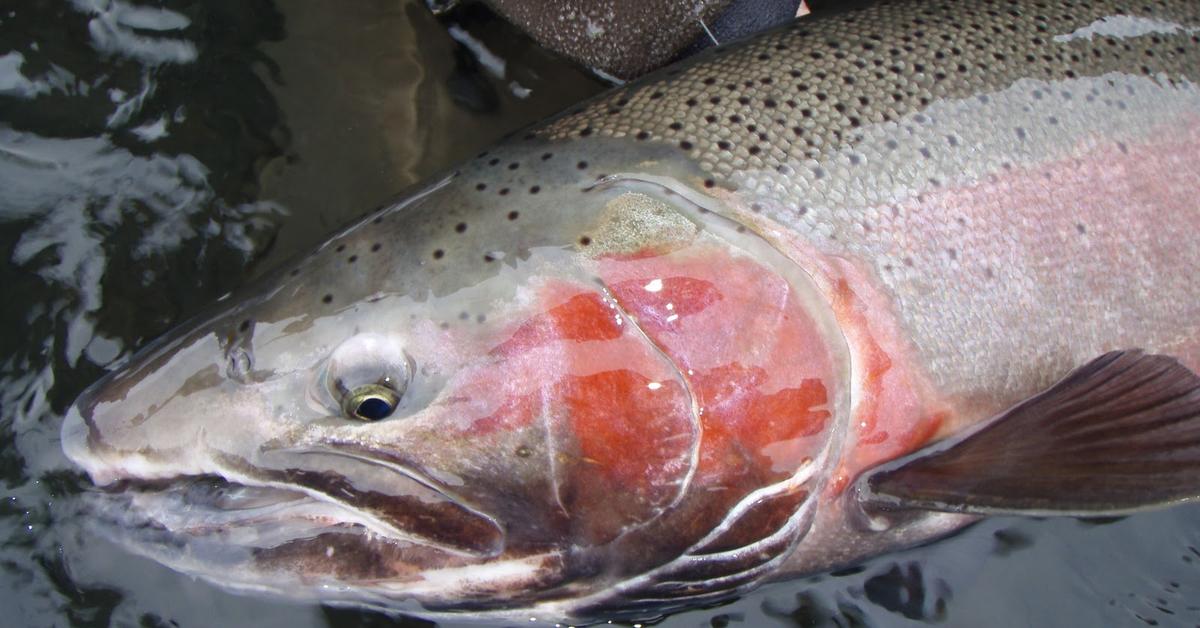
371	402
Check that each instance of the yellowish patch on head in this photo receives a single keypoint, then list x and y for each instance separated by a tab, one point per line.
637	223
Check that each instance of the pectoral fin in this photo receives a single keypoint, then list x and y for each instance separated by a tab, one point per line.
1118	435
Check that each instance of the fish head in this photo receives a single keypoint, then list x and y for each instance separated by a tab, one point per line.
558	399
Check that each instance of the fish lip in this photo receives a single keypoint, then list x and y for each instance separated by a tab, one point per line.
279	545
213	511
231	562
208	508
74	432
218	506
210	487
80	440
227	546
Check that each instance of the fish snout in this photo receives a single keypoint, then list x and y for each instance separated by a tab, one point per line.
99	437
151	419
80	442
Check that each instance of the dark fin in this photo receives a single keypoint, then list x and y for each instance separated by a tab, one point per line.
1118	435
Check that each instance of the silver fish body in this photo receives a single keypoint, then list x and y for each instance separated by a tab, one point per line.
639	355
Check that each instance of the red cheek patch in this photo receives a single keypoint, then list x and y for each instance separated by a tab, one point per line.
741	421
662	302
753	358
701	364
623	424
619	439
580	318
513	413
619	428
629	449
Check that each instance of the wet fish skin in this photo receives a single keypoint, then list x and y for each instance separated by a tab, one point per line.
831	126
960	233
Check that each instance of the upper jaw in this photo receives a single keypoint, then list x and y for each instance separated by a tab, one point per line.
207	509
287	543
262	537
258	538
278	495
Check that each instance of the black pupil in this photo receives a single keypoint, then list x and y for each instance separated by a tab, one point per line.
373	408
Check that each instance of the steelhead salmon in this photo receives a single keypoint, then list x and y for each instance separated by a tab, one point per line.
832	291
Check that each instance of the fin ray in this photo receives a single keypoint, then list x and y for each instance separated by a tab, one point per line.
1117	435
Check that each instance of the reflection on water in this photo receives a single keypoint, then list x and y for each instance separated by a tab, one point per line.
154	155
378	97
106	178
1004	572
117	178
903	590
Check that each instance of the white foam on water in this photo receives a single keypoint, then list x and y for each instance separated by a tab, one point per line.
12	82
120	28
75	192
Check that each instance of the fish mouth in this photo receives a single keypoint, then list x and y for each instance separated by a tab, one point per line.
271	507
211	508
263	538
286	543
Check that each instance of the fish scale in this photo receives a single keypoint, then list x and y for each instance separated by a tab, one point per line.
839	131
811	88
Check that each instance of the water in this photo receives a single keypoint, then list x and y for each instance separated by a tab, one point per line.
154	157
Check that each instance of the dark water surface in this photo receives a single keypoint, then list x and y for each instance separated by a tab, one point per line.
155	156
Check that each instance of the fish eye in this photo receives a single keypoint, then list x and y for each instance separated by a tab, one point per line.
367	376
371	402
